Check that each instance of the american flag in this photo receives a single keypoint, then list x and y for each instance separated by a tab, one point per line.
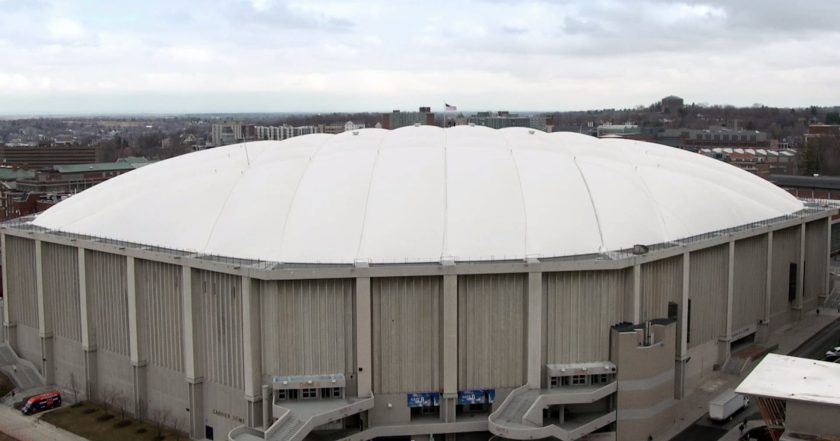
450	108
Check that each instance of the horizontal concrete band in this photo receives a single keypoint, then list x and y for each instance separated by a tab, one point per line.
646	412
646	383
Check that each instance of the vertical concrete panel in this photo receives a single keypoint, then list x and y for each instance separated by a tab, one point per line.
491	331
20	271
221	323
750	282
61	289
816	263
785	252
661	283
406	322
580	308
307	327
159	288
708	289
107	286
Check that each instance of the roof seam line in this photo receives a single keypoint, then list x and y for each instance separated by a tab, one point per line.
367	197
225	203
443	245
591	201
521	194
295	193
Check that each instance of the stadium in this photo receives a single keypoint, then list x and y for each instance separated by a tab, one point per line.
421	282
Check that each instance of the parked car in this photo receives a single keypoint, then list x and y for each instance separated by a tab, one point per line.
726	404
38	403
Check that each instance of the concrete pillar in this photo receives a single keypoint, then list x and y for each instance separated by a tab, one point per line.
193	369
45	325
637	293
266	406
682	343
9	324
364	378
88	330
535	330
251	346
725	341
763	331
827	290
450	347
800	274
138	352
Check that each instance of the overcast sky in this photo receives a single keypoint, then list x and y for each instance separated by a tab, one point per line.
100	56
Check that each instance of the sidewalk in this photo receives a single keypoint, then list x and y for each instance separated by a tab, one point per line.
695	405
30	428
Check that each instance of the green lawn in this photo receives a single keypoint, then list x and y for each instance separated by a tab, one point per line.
6	385
4	437
88	420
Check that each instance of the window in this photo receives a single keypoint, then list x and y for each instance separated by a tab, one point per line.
307	394
600	379
578	380
555	381
208	432
281	394
565	381
792	282
336	392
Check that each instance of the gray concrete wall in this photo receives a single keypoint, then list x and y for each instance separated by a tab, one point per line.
708	290
61	289
220	324
69	365
406	321
224	409
579	308
645	375
21	295
661	283
114	375
28	344
158	286
811	419
816	264
492	316
107	288
750	282
307	327
168	392
785	252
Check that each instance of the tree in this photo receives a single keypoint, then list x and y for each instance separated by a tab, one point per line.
832	118
121	403
159	418
109	399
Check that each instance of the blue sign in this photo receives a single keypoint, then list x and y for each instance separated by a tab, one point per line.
424	399
476	396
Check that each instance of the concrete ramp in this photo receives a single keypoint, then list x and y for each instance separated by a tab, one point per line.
22	373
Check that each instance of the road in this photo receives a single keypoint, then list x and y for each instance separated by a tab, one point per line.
705	429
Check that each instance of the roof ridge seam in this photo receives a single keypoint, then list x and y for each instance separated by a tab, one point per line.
591	202
521	194
367	196
295	194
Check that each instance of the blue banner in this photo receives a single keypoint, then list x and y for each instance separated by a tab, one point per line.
424	399
476	396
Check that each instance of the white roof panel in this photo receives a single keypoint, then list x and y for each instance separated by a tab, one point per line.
793	378
420	194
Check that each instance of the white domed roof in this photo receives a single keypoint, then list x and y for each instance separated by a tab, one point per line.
421	194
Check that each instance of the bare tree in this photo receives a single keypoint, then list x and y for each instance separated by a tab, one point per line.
176	428
74	387
109	399
159	419
121	403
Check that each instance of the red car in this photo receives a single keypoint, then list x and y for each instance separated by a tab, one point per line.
44	401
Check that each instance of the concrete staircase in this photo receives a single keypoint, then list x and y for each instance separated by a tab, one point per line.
26	378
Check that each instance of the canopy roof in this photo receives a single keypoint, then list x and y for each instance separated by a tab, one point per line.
420	194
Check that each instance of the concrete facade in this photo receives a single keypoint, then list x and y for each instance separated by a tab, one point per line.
200	337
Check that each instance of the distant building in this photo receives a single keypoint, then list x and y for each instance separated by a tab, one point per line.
761	162
672	104
224	134
47	156
279	133
694	139
618	130
397	119
502	119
